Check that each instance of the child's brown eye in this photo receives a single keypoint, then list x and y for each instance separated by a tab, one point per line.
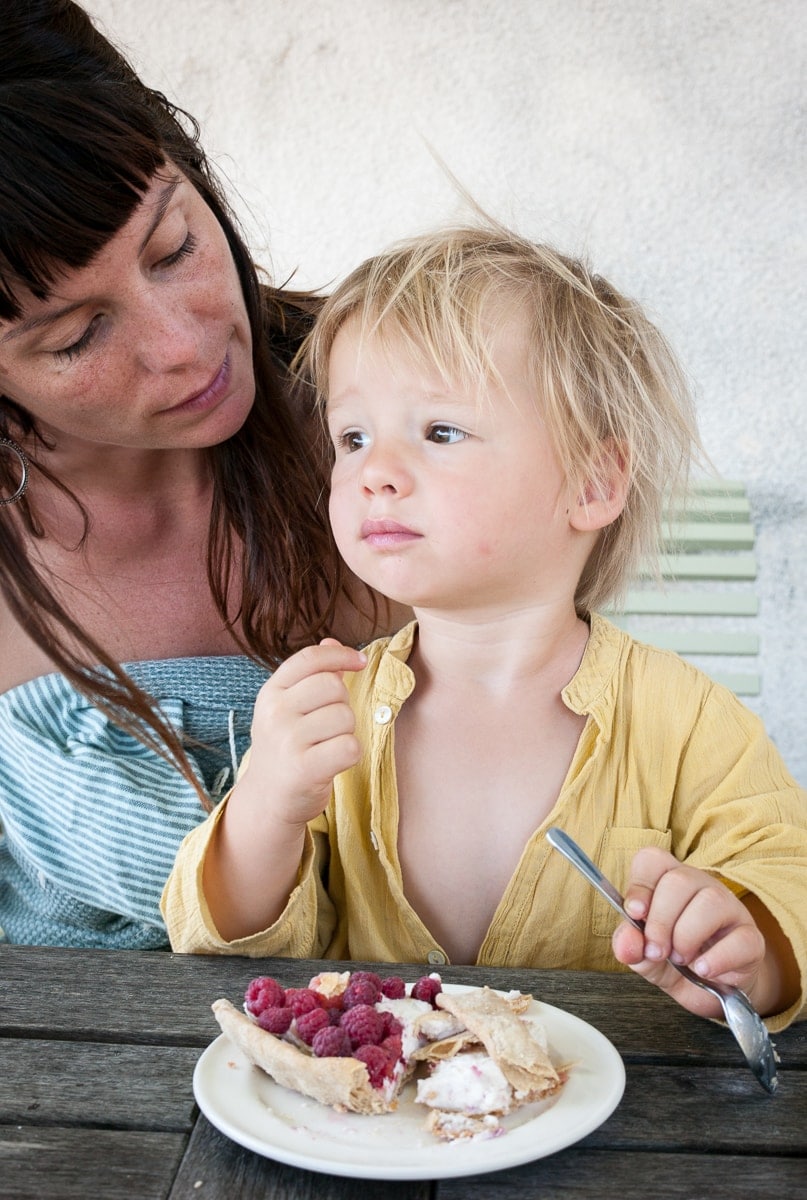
354	439
445	434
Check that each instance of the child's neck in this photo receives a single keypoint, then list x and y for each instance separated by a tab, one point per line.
499	655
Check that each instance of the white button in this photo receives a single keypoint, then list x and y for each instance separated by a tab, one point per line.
436	958
382	715
42	879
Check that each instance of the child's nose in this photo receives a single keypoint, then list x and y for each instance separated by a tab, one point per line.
385	469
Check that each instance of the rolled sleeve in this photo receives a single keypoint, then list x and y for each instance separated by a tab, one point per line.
301	931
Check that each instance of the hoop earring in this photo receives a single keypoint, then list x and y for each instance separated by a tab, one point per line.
15	449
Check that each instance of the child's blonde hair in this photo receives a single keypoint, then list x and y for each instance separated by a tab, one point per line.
607	384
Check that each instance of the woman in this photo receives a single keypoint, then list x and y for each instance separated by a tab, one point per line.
161	504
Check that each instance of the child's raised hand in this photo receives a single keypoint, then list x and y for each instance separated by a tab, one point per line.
302	733
694	919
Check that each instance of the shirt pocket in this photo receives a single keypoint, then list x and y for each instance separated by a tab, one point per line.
617	849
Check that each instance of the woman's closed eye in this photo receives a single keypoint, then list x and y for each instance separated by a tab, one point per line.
187	247
80	344
77	347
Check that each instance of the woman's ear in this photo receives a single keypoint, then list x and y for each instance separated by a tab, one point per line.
603	498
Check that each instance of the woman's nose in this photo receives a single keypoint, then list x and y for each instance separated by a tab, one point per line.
169	335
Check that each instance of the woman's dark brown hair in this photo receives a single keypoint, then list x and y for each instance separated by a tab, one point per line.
81	138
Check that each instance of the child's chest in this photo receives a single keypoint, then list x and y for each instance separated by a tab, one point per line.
472	790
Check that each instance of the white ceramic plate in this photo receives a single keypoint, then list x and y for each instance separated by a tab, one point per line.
249	1107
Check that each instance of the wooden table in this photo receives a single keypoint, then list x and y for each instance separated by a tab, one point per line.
96	1101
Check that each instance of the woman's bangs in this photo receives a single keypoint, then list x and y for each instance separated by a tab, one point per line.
72	171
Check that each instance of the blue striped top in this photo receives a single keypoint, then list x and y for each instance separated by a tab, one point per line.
90	819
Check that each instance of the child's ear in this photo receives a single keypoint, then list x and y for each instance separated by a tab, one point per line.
603	498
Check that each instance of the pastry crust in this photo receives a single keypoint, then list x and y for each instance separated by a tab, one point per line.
523	1062
340	1083
453	1127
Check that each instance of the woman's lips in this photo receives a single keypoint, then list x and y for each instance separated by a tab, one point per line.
210	395
387	535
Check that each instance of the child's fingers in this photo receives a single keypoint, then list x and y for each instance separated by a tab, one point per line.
310	679
649	865
314	692
733	957
327	758
329	655
628	944
689	912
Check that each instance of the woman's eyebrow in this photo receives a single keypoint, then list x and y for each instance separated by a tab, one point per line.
163	200
47	318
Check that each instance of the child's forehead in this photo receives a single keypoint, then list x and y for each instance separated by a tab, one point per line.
460	351
401	363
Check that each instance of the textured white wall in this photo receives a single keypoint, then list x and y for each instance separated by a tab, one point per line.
663	139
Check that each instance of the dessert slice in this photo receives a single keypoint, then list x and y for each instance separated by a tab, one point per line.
340	1082
509	1039
352	1040
496	1062
347	1040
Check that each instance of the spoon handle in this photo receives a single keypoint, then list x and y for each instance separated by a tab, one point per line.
570	849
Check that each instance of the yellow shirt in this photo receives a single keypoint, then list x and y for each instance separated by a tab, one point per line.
667	758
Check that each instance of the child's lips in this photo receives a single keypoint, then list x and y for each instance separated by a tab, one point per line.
387	534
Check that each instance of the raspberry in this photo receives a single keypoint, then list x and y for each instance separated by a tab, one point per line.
393	987
275	1019
366	976
376	1062
334	1003
363	1025
359	991
301	1000
311	1022
392	1026
262	993
392	1047
331	1042
427	988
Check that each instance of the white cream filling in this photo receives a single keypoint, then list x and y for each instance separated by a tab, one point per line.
406	1011
469	1083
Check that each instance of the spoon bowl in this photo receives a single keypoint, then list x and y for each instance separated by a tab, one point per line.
741	1017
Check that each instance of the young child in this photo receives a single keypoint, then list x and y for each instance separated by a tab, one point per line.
505	428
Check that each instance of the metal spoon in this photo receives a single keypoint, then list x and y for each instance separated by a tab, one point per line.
741	1017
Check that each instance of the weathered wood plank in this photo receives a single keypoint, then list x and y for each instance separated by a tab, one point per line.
603	1175
128	1087
741	1117
174	1009
214	1166
87	1164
